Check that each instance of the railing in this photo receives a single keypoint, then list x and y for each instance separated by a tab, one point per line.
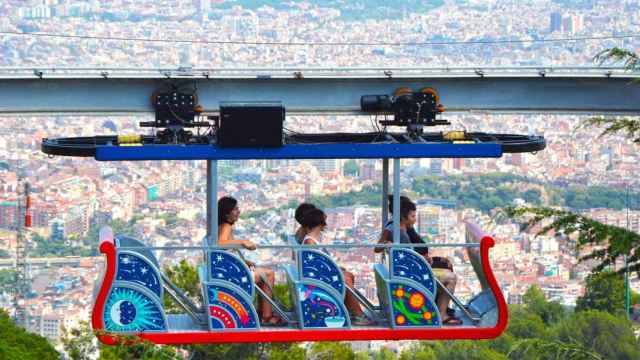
316	72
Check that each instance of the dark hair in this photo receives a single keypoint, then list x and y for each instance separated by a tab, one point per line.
406	206
226	204
301	210
314	217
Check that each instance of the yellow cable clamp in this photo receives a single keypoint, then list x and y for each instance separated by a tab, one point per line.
129	139
456	135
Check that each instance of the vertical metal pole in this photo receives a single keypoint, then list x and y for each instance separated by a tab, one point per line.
396	200
627	292
212	202
385	192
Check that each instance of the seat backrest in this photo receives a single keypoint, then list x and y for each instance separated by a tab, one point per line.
316	265
408	264
226	266
134	267
382	278
123	241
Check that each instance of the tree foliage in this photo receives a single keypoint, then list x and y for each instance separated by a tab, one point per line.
17	344
550	312
607	242
604	292
551	349
7	280
610	336
630	128
331	351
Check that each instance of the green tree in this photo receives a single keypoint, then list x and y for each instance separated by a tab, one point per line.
384	354
419	352
532	196
466	350
525	324
79	343
550	349
7	280
144	350
604	291
17	344
549	311
331	351
611	242
610	336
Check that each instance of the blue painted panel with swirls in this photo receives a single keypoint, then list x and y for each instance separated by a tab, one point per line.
320	309
411	265
229	309
318	266
130	310
227	267
134	268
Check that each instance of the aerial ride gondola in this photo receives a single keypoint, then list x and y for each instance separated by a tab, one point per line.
130	295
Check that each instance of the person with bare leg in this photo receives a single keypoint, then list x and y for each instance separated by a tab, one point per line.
314	221
408	217
228	214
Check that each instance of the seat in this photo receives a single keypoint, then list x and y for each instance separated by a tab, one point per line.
407	292
318	290
134	301
228	290
138	265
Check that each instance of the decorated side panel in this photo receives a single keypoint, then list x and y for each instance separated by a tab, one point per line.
321	308
318	266
137	269
412	307
229	308
408	264
131	308
227	267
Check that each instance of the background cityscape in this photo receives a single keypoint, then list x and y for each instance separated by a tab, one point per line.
163	203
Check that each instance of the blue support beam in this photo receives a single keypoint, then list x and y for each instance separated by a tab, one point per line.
313	91
298	151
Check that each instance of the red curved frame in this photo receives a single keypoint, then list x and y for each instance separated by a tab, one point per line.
107	247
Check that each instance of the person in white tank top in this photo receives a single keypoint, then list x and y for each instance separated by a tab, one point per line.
314	222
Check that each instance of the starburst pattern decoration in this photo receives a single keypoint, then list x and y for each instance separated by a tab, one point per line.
128	310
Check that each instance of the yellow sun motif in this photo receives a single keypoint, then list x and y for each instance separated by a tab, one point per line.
416	300
399	292
427	315
400	319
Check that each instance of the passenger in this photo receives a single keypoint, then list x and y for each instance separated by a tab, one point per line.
228	214
299	216
409	235
314	221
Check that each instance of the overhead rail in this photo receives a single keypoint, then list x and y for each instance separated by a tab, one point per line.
125	91
312	72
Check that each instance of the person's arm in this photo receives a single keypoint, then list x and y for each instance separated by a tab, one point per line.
385	238
225	237
309	241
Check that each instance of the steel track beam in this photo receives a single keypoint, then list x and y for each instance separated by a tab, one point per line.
317	91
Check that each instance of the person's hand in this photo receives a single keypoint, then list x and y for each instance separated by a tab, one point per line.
429	259
250	264
249	245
